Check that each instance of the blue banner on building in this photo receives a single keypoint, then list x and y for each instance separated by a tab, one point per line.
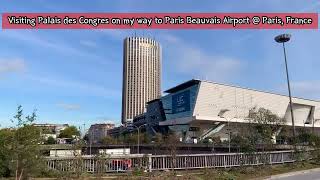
181	102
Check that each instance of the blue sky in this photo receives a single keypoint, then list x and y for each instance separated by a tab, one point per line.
74	76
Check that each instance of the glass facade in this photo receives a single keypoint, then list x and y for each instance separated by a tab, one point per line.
181	103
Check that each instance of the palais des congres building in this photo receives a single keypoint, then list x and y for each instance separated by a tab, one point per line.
192	109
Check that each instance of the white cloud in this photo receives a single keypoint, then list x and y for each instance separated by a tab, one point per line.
33	39
29	37
191	60
207	66
69	106
83	87
103	119
12	66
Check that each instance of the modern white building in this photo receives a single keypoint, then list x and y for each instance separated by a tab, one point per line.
192	108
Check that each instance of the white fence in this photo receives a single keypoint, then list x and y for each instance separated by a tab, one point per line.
165	162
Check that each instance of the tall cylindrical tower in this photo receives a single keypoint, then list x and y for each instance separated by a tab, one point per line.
141	75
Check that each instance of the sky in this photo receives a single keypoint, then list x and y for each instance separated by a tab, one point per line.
75	76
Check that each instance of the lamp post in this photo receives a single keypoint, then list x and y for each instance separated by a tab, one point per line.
229	134
282	39
138	127
91	137
229	131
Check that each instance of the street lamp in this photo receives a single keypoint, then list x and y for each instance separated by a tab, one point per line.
229	130
282	39
91	138
138	127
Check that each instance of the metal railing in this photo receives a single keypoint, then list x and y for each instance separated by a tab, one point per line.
148	162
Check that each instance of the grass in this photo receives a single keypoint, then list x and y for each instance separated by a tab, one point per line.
238	173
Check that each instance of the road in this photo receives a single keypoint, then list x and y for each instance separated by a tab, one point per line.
313	174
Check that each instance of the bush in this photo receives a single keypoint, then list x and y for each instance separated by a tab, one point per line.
19	148
6	136
108	140
69	132
308	138
244	144
51	140
227	176
137	171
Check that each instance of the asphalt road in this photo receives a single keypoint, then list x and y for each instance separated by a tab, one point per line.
306	175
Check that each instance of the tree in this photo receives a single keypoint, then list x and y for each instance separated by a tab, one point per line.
263	126
50	140
158	143
158	138
285	136
69	132
172	142
108	140
6	137
78	159
243	143
22	145
132	138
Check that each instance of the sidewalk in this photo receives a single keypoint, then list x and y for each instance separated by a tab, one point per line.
279	176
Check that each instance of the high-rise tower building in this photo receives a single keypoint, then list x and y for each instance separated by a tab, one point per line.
141	75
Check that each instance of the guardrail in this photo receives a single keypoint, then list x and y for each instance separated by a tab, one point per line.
148	162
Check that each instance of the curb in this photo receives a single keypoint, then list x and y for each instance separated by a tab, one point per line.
291	174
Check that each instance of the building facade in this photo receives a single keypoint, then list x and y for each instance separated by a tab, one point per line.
52	130
141	75
193	109
97	132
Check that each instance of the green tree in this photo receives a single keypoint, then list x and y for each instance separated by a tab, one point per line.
78	159
108	140
6	138
69	132
50	140
263	126
22	145
243	143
